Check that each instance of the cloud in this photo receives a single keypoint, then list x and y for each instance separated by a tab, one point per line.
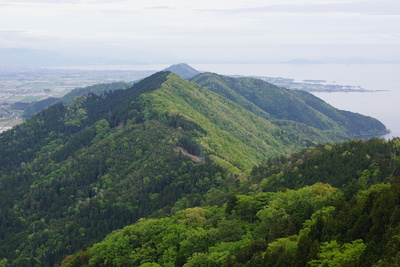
62	1
9	36
159	8
20	38
100	26
384	7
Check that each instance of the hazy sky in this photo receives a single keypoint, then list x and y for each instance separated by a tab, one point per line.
206	30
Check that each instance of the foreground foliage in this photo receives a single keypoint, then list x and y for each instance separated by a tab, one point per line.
314	225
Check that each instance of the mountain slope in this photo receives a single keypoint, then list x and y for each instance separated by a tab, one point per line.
281	105
71	174
68	184
69	97
231	132
354	123
353	224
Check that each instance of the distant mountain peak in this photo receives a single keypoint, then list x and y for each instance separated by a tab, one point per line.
183	70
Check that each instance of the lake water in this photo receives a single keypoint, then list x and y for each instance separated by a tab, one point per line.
385	105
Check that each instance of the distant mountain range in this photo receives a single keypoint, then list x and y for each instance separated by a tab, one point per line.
354	60
45	58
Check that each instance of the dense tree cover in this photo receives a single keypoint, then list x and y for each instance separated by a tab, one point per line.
299	107
176	152
313	225
97	89
56	124
234	134
69	176
354	123
209	236
349	165
30	108
72	202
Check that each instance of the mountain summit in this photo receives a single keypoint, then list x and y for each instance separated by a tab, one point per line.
183	70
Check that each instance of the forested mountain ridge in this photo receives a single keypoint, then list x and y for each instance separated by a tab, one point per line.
82	176
98	89
73	173
229	131
291	109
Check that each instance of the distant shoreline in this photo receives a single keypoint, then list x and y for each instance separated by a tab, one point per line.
343	91
365	136
312	86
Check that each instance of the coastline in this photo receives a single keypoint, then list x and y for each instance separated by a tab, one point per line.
369	135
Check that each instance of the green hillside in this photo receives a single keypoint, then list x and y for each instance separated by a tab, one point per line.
71	174
294	110
70	97
355	223
230	132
